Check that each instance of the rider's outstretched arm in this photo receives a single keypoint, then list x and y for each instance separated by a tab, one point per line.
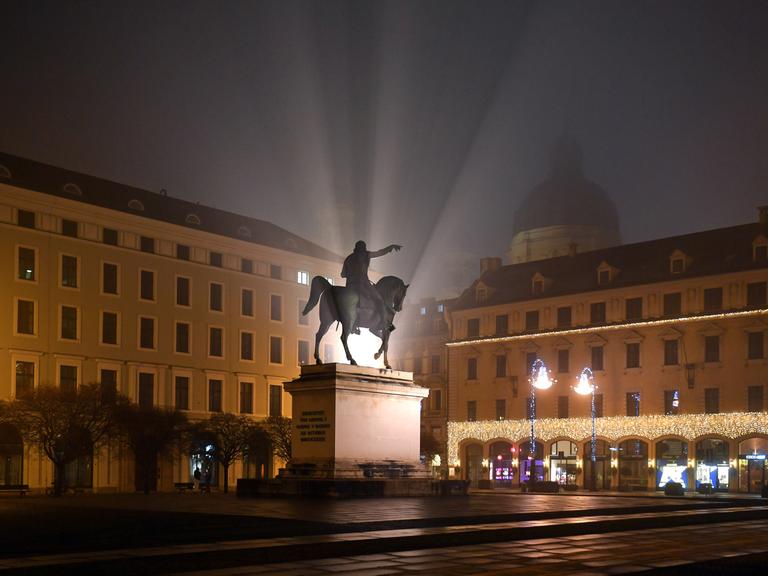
383	251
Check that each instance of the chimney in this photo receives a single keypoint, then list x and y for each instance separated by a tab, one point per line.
572	249
762	215
489	264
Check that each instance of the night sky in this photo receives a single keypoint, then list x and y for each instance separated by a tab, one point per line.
422	123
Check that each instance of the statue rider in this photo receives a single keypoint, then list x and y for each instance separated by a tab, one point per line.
355	270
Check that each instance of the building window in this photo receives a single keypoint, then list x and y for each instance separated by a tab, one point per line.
68	323
501	409
275	272
214	395
182	338
473	328
182	392
216	297
147	333
303	319
564	317
755	347
754	398
562	406
302	277
711	348
673	304
538	286
276	307
246	346
69	271
182	252
69	228
634	308
417	368
481	295
563	360
603	276
182	291
275	350
109	278
760	253
108	386
597	358
25	317
68	378
435	364
25	378
677	265
441	308
303	352
633	355
147	285
246	397
756	295
597	313
423	311
530	358
109	328
531	320
246	266
215	342
147	244
599	406
671	353
711	400
471	368
215	259
633	403
109	236
246	302
27	266
671	402
471	411
275	400
436	399
146	390
26	219
501	366
502	324
713	299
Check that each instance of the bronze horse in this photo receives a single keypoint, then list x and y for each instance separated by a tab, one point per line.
340	304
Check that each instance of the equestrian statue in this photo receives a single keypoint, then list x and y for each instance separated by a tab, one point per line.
359	304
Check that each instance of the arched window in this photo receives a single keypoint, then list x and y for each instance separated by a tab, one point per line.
244	231
72	189
5	174
137	205
193	219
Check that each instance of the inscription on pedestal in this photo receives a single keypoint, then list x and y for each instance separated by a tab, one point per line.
312	426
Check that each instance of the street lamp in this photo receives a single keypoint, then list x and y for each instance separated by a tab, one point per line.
539	379
586	385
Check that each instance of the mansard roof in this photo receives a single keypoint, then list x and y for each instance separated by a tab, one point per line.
64	183
718	251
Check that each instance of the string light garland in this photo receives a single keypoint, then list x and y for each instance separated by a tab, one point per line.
606	328
731	425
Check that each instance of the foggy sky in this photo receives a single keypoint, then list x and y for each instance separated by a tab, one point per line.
422	123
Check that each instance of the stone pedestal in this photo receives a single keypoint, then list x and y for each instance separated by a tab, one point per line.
356	431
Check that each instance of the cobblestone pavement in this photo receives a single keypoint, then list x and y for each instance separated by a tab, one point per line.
585	554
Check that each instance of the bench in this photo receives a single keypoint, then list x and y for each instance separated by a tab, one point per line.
183	486
20	488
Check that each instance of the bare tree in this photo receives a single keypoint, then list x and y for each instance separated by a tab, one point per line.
66	425
429	446
149	432
279	430
231	439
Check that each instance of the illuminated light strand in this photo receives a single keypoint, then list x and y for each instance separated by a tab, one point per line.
732	426
609	327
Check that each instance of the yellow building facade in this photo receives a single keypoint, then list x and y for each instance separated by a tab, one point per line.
673	332
173	304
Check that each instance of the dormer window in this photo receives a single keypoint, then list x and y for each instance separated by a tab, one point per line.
678	262
137	205
761	253
481	294
5	174
603	276
244	232
538	286
72	189
192	219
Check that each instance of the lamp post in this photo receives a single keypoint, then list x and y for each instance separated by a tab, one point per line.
586	385
539	379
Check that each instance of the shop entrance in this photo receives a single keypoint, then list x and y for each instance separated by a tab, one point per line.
712	468
474	460
563	462
671	463
752	465
633	465
602	465
503	471
531	464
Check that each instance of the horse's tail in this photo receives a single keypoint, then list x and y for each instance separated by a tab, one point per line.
319	286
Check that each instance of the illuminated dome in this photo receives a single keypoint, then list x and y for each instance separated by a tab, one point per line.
567	211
